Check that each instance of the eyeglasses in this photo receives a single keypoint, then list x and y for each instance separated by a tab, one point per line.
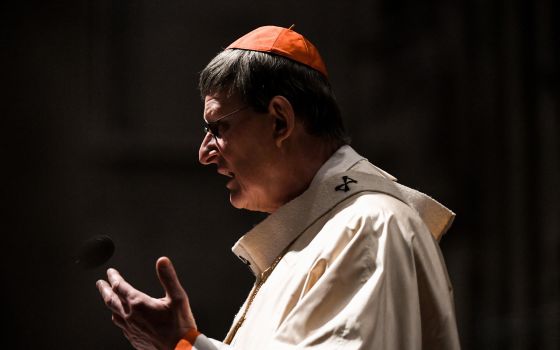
213	127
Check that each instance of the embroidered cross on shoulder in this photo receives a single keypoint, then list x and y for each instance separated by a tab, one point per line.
344	186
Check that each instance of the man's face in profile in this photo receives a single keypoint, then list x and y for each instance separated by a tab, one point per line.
241	146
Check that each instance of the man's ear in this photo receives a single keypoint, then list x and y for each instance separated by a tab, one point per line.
284	118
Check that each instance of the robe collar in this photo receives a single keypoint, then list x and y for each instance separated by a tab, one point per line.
331	185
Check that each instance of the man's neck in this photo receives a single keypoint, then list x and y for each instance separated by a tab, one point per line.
301	166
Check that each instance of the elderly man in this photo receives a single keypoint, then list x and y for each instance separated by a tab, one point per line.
347	259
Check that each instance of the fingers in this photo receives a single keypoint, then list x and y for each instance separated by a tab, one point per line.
116	294
119	285
175	292
169	281
110	299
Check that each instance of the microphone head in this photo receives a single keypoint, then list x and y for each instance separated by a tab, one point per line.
95	252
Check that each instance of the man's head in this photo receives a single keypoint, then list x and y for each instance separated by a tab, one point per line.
274	83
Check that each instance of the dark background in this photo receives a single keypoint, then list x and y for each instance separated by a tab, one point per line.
102	123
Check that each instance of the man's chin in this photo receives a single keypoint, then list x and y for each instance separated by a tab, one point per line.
245	205
239	202
236	200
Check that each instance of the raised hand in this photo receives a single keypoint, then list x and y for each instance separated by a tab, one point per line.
149	323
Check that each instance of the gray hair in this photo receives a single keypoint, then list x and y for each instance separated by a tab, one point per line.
257	77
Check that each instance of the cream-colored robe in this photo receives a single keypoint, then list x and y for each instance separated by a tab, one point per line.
362	267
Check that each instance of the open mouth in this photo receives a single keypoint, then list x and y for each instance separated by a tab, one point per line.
228	174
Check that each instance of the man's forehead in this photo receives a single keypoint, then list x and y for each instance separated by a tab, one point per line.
218	101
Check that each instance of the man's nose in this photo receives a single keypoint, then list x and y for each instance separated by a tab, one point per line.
208	151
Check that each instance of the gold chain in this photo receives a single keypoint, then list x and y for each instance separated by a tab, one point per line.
263	277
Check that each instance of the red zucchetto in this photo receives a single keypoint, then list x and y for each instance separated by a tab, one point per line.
284	42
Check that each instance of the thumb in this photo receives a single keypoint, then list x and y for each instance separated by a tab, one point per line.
168	278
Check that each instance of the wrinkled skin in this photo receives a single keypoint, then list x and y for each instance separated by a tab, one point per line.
149	323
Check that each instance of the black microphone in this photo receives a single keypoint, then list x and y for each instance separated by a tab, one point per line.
95	252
